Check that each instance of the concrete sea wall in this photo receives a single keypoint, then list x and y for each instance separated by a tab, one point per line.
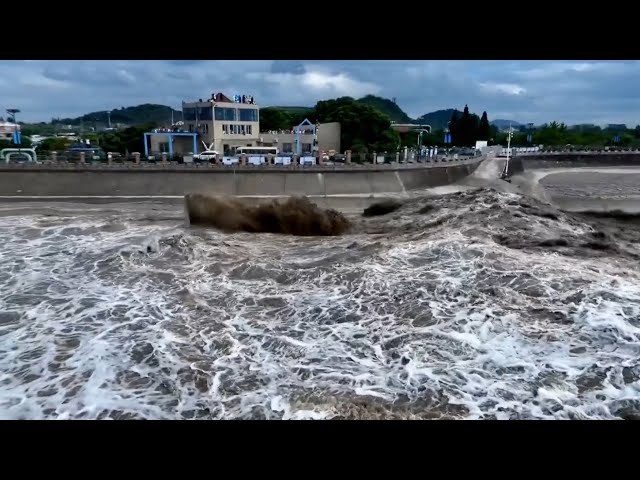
123	181
520	164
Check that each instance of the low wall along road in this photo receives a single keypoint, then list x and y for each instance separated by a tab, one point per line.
176	180
577	182
539	161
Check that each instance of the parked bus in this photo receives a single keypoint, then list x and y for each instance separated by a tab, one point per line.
90	153
257	151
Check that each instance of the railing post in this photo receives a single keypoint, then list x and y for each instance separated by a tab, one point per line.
164	157
136	158
81	157
348	160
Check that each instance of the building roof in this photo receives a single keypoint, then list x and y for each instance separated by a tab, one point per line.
222	98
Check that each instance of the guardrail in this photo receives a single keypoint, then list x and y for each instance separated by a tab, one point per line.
578	152
61	164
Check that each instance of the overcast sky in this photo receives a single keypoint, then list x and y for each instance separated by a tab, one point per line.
526	91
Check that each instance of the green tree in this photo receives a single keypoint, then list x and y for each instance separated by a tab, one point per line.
484	128
25	143
125	141
275	119
467	128
54	144
454	125
361	126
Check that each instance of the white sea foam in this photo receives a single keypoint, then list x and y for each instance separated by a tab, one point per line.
115	316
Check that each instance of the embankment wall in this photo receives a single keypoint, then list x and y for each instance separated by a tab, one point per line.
87	181
523	163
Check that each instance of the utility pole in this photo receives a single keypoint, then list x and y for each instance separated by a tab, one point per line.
505	172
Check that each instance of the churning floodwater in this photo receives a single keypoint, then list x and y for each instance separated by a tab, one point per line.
474	305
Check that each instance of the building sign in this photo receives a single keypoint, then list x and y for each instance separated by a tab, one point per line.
248	99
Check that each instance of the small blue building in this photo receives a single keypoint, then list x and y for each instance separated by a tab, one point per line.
171	138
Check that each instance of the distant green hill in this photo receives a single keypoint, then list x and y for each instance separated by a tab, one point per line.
500	123
293	110
138	115
438	119
388	107
161	115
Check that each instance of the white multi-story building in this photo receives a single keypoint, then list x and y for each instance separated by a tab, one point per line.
7	130
225	124
220	123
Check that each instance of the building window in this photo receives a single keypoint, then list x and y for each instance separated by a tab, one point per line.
248	128
191	127
189	114
163	147
205	113
225	128
306	147
197	114
247	115
287	147
225	114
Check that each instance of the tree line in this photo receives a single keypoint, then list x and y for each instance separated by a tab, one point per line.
126	140
364	128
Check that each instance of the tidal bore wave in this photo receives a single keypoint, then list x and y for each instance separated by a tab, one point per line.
293	216
478	304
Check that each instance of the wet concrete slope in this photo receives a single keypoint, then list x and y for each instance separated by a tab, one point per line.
34	182
582	182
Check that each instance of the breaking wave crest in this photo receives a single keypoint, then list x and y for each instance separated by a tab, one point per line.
293	216
479	304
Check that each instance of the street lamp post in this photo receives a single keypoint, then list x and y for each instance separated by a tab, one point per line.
505	172
420	142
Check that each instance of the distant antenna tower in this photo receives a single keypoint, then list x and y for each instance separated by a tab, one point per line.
393	99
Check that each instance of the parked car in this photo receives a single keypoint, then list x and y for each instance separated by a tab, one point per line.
206	156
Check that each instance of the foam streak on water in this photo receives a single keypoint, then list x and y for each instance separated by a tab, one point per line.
113	316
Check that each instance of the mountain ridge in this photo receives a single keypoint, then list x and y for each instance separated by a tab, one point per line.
162	114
